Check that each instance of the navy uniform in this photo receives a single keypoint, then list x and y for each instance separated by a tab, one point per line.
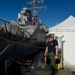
52	51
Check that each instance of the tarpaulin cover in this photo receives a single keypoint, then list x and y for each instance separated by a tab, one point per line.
40	66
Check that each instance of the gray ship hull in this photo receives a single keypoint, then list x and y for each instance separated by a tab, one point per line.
12	46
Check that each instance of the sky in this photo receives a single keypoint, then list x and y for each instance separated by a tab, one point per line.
56	11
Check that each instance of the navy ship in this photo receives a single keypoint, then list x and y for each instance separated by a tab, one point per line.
24	37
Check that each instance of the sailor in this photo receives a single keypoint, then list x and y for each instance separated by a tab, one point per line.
51	50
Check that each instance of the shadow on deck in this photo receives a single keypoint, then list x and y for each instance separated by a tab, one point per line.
73	73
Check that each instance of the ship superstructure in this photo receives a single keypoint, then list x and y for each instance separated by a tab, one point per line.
27	21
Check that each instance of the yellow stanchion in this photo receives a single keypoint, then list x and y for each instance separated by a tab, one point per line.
57	66
58	62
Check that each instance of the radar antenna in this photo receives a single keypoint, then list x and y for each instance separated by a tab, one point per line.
35	8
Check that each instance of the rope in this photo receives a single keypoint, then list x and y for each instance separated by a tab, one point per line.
16	43
10	41
7	46
21	40
21	43
5	49
30	71
21	63
4	39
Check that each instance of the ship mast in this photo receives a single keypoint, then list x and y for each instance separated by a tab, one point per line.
35	8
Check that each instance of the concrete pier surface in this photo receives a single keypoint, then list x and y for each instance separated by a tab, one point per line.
65	71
